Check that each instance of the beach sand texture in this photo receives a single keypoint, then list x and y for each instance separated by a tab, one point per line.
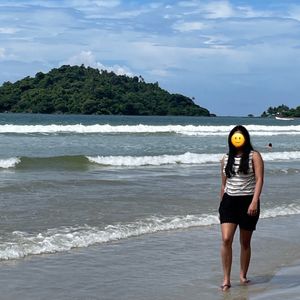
171	265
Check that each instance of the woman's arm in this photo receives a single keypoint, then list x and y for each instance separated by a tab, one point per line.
258	166
223	178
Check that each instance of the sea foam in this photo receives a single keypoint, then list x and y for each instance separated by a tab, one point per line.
186	158
22	244
9	162
198	130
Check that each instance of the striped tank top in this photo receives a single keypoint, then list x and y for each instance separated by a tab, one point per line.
240	184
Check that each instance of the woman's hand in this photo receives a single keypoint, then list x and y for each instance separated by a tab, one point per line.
252	209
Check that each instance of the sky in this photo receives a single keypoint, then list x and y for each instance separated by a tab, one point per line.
233	57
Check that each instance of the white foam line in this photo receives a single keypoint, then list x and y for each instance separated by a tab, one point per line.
281	156
22	244
283	210
141	128
186	158
9	162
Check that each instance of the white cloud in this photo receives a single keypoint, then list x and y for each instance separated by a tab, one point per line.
4	56
117	15
155	5
217	42
10	3
8	30
294	12
87	58
107	3
187	4
2	53
189	26
93	3
220	9
159	73
249	12
224	9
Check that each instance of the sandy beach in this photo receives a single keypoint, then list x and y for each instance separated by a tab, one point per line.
169	265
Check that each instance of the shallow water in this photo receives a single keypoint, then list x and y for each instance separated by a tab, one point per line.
117	198
180	264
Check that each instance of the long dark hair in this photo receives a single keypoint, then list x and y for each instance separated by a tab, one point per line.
246	148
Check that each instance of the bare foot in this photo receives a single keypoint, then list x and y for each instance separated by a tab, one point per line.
244	280
225	287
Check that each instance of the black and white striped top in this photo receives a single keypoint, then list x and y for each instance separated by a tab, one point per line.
240	184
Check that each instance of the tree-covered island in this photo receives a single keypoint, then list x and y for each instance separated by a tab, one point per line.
85	90
282	111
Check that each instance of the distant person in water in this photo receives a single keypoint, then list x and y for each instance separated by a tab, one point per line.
270	146
242	172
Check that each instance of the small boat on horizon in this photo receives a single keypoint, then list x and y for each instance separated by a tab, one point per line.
283	118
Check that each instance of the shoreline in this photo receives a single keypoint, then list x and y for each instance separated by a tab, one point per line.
285	284
164	265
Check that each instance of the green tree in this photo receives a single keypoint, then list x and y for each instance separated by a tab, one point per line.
84	90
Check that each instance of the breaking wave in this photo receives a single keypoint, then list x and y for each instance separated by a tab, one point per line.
186	158
81	161
22	244
197	130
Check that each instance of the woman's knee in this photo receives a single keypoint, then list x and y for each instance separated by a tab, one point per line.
227	241
245	243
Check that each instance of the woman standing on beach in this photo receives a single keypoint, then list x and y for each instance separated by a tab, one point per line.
242	180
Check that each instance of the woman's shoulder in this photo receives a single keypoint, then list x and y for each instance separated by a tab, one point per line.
224	158
253	151
256	154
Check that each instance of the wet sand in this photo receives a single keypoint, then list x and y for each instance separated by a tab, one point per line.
167	265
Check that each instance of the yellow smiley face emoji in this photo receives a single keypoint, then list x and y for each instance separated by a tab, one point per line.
237	140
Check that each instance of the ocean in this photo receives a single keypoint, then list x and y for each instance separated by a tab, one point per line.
125	207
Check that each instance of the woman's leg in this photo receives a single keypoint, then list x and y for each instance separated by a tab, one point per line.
245	241
228	230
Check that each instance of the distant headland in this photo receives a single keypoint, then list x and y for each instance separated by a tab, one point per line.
282	111
85	90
